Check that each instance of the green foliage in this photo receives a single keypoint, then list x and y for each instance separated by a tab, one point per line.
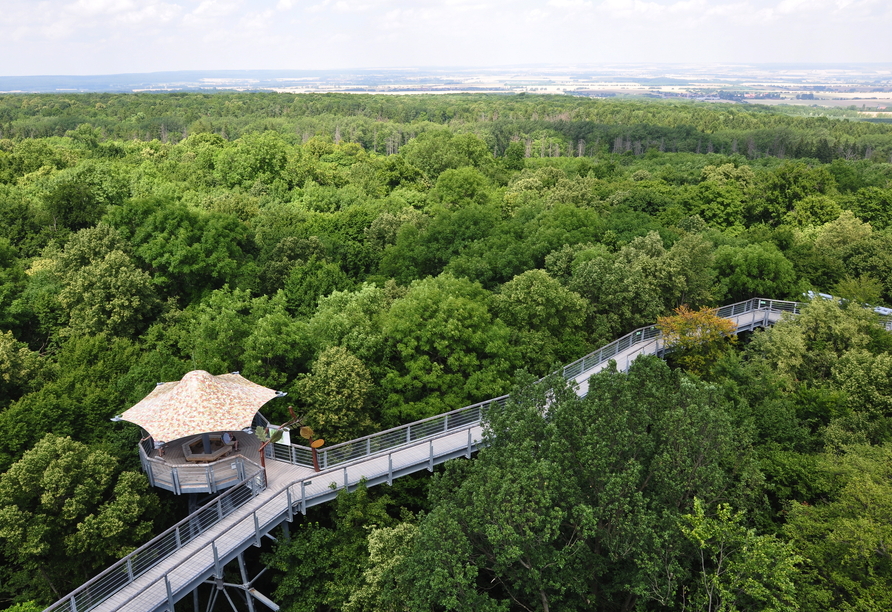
807	347
739	570
65	512
459	187
324	565
547	319
572	505
449	350
383	258
845	538
77	197
189	252
437	151
310	281
781	190
336	394
754	270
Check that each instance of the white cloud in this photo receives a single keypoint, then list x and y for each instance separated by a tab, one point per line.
100	7
216	8
154	13
570	4
46	36
257	21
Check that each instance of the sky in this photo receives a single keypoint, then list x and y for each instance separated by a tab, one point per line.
90	37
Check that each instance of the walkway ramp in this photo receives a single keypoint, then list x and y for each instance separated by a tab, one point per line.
158	574
169	567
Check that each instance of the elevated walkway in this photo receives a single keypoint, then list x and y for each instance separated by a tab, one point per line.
173	564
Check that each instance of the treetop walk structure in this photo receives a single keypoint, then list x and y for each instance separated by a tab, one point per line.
195	550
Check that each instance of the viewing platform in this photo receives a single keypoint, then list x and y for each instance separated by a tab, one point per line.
180	473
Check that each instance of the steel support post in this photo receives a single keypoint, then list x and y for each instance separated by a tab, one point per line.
245	581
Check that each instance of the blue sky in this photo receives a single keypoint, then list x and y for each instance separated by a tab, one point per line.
115	36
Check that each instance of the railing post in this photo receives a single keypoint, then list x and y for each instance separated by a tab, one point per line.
218	571
390	468
368	446
175	476
408	434
129	568
325	459
346	482
219	509
208	474
430	465
176	537
303	499
170	601
468	454
256	530
290	507
73	603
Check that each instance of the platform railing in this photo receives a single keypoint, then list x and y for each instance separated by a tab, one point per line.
376	443
651	332
197	478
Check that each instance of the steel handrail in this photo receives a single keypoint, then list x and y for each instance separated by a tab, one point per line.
329	456
174	530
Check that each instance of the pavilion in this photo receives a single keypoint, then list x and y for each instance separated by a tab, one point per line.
198	432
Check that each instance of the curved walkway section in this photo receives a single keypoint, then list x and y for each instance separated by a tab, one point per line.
159	573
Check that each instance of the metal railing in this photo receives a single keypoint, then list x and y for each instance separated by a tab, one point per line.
296	497
375	444
197	478
405	434
652	334
149	555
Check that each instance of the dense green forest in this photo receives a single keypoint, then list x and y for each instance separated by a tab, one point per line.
387	258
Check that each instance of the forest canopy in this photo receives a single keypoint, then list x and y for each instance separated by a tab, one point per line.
386	258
